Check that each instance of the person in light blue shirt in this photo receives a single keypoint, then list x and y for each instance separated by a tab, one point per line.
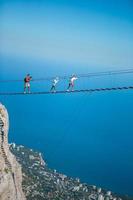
54	83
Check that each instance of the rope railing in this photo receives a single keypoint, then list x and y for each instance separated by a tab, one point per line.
87	75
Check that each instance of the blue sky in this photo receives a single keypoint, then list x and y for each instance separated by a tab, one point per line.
85	32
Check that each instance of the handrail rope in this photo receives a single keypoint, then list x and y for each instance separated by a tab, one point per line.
64	91
94	74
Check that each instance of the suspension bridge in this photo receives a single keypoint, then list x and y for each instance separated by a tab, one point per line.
80	76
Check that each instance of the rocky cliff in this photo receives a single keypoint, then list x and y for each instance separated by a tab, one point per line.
10	169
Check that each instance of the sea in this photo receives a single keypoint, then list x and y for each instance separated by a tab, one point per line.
83	135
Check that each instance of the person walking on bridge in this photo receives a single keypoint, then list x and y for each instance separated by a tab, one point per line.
71	83
54	83
27	80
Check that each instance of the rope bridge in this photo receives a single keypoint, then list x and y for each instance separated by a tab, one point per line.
64	91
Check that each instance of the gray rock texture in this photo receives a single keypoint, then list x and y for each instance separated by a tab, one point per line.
10	169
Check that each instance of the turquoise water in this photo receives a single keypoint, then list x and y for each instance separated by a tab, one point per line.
89	136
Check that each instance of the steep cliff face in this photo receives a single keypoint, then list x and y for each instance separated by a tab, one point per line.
10	170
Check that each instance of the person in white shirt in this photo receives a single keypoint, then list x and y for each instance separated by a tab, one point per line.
54	83
71	82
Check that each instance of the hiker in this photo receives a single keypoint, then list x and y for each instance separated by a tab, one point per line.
71	82
54	83
27	80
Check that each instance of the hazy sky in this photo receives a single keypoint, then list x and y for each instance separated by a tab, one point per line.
88	32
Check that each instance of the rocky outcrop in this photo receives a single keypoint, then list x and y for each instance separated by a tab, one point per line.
10	169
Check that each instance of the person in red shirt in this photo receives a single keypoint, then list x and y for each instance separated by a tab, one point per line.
27	80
